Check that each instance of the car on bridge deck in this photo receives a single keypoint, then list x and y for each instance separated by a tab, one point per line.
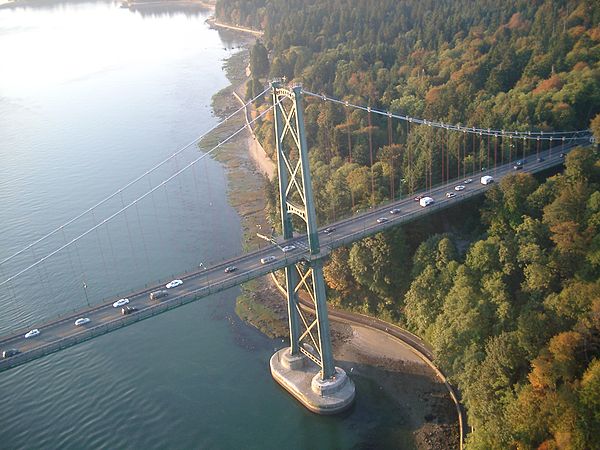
426	201
288	248
395	211
10	352
460	187
33	333
158	294
120	302
329	230
468	180
518	165
82	321
128	310
230	269
418	198
267	259
382	220
450	194
174	284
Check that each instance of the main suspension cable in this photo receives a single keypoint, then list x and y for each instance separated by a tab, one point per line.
119	191
140	198
542	135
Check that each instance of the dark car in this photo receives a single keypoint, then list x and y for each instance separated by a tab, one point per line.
540	159
562	155
10	352
128	310
518	165
230	269
418	198
329	230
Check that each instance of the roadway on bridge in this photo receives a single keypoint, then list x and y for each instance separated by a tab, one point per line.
62	333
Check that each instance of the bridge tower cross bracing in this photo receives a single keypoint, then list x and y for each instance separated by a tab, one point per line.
309	338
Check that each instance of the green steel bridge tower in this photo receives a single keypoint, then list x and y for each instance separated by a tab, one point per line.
306	369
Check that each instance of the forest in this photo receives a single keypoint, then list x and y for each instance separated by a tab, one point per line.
507	288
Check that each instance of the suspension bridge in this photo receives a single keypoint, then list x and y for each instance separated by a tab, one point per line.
306	369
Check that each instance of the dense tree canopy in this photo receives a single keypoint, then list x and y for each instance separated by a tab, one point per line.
508	298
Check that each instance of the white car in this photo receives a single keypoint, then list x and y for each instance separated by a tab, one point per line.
450	194
459	187
487	179
267	259
32	333
173	284
82	321
395	211
120	302
468	180
426	201
288	248
382	220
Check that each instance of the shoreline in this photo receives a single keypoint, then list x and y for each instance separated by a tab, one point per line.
213	22
124	3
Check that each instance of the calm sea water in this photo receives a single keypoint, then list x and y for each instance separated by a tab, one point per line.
91	96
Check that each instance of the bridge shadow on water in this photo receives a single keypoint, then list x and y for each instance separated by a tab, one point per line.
399	404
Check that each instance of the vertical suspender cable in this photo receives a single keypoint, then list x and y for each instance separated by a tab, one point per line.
410	180
458	158
350	153
464	161
430	167
349	140
68	252
473	150
495	152
100	245
447	155
389	123
487	166
128	230
443	168
43	279
502	149
137	211
156	215
112	250
371	157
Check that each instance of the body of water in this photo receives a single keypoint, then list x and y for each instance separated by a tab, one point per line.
91	96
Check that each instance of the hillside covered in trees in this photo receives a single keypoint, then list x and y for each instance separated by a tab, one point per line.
506	290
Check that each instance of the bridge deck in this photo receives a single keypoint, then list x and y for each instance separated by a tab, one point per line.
58	334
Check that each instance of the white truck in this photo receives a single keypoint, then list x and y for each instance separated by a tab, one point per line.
426	201
486	179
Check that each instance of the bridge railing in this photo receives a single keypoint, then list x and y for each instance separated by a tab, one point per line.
349	215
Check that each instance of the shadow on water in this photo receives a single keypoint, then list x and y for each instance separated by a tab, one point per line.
144	9
380	419
170	9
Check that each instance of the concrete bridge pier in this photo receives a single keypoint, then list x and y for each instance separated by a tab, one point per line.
303	380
